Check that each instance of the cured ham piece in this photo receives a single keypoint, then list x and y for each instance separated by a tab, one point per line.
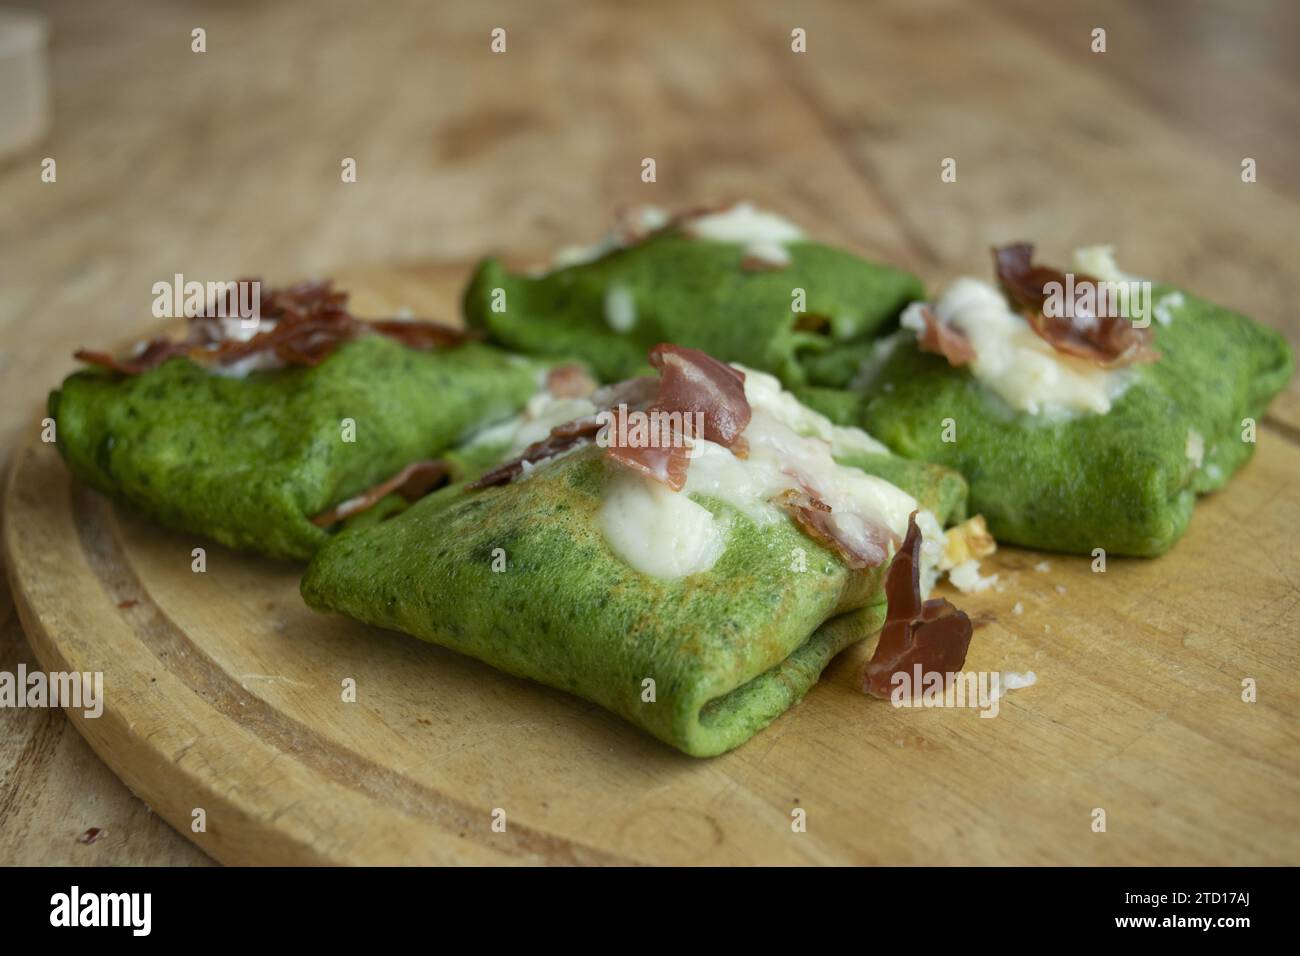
665	462
151	355
691	383
933	633
563	438
1109	341
569	381
413	482
303	325
942	338
815	517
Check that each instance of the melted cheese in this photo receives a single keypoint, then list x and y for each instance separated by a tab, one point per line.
1099	262
645	219
620	308
1165	306
658	531
257	362
541	413
236	329
654	530
744	223
1011	359
764	391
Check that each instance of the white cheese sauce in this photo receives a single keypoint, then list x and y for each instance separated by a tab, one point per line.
1013	361
236	329
1099	262
763	234
643	219
666	534
620	308
541	413
658	531
744	223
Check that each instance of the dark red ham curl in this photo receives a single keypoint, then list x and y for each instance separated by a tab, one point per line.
155	352
569	381
1111	342
942	338
814	516
311	322
563	438
933	634
664	462
690	383
413	482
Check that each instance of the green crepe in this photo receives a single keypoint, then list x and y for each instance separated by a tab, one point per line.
1122	481
694	292
248	461
729	649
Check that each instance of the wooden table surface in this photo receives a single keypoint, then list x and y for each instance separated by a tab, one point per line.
227	163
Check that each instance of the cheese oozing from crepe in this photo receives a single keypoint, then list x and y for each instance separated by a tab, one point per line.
667	534
1013	361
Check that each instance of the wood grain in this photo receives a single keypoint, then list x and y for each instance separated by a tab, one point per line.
227	164
224	692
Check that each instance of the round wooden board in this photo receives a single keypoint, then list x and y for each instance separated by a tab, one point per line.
224	693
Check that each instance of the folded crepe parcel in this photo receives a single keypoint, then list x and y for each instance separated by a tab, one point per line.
533	569
740	284
1180	422
249	461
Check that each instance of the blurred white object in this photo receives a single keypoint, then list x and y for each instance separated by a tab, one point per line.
24	81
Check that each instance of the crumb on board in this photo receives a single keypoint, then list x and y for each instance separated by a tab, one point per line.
966	578
966	541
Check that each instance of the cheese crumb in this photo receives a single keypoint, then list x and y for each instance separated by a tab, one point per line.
966	578
1010	680
1163	309
1042	567
1099	262
620	308
1195	447
970	539
1017	608
768	253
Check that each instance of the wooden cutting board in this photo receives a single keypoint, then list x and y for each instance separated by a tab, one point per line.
224	694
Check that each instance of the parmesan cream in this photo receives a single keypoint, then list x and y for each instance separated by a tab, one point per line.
744	223
1013	361
666	534
541	413
237	329
763	234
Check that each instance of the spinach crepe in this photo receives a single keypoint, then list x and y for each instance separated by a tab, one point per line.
740	284
697	593
249	457
1075	434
